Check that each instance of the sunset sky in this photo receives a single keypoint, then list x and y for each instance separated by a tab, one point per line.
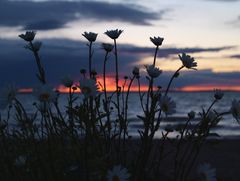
208	30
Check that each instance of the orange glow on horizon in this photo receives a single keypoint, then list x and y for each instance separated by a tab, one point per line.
110	85
25	90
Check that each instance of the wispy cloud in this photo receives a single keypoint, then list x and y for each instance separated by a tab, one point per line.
55	14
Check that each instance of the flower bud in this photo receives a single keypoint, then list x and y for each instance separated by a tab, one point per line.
191	115
135	71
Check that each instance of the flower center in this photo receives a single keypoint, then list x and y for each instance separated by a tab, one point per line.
164	107
115	178
44	96
86	90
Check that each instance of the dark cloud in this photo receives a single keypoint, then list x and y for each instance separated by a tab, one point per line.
235	56
200	77
166	52
66	57
44	25
52	14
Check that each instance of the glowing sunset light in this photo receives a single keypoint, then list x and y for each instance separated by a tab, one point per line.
110	84
25	90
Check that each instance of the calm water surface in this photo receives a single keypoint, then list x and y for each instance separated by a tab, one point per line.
185	102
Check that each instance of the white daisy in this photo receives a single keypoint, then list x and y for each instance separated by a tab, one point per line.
45	93
188	61
7	95
157	40
118	173
20	160
88	87
167	105
206	172
67	81
113	34
153	71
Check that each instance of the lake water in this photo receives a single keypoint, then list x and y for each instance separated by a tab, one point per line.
185	102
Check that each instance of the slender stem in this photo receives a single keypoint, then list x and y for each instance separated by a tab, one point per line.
118	94
105	94
104	76
90	59
170	82
215	100
178	149
41	75
140	95
117	87
155	55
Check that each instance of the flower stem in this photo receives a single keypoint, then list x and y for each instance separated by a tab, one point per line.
170	82
155	56
90	59
41	75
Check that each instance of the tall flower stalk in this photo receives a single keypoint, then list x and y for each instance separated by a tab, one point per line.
114	34
35	47
108	48
91	37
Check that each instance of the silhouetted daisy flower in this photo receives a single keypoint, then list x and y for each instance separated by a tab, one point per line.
157	40
188	61
118	173
28	36
113	34
90	36
153	71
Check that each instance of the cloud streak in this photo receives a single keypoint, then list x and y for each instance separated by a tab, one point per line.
226	1
53	15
